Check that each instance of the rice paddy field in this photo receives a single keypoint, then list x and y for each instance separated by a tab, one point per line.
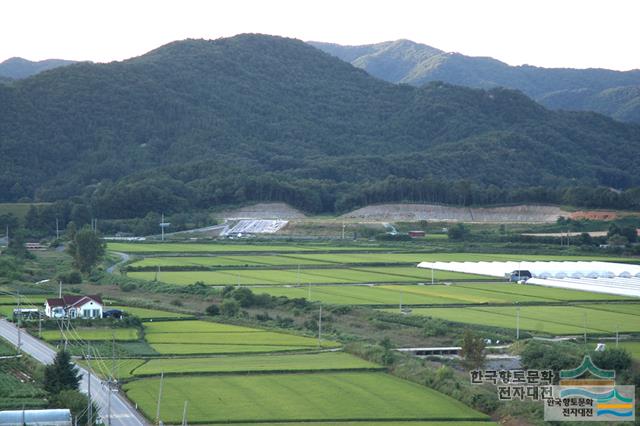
296	397
632	347
201	337
244	375
304	276
345	259
145	313
254	363
226	248
459	293
553	320
91	334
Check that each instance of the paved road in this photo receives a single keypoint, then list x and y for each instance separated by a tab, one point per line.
124	257
122	413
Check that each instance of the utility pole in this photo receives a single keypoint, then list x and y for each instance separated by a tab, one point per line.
60	289
298	275
184	414
159	398
57	230
320	327
343	227
89	404
400	301
585	328
432	276
518	323
39	324
19	325
113	376
309	295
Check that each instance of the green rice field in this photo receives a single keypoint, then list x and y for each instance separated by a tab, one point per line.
201	337
24	300
240	363
632	347
304	276
296	397
222	248
144	313
459	293
560	320
91	334
347	258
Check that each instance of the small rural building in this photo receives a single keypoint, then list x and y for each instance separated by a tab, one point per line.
74	307
417	234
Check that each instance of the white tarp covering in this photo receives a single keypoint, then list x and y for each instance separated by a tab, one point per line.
600	277
256	226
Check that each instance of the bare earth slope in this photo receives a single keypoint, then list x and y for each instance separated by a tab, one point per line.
438	213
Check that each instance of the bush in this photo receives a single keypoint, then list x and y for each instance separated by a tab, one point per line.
71	277
393	237
127	287
612	359
212	310
230	308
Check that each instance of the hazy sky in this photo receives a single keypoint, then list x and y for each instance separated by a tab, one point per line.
550	33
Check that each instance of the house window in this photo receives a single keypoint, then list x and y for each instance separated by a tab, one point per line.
86	313
96	313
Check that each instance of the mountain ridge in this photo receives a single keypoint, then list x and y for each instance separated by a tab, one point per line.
545	85
197	123
17	68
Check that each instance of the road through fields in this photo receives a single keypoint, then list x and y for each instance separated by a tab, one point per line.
122	413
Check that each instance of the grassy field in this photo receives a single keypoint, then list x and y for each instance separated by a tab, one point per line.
560	320
201	337
432	294
296	397
90	334
304	276
239	363
223	248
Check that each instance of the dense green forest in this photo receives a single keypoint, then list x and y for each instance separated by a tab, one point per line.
199	124
609	92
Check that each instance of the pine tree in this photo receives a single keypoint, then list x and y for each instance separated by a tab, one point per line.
61	375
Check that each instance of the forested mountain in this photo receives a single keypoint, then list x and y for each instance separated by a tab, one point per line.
16	68
196	124
613	93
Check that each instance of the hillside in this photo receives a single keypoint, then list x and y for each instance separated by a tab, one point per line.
17	68
197	124
613	93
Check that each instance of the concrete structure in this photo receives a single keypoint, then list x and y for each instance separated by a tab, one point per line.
74	307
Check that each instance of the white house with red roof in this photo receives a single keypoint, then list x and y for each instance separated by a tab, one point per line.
74	307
